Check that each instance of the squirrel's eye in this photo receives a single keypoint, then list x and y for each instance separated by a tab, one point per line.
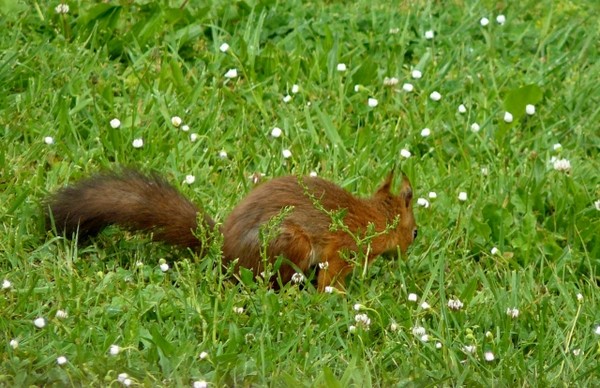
415	233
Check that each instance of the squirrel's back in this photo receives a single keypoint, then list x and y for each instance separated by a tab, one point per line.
127	199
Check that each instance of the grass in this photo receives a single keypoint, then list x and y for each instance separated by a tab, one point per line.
67	75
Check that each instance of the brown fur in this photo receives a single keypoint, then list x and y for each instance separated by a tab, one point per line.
304	238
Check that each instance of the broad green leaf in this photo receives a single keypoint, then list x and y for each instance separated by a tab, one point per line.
516	100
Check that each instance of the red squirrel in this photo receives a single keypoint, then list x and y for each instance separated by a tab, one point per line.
138	202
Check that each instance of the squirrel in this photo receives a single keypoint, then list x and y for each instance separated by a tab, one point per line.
304	237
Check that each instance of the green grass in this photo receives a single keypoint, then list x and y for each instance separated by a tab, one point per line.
66	76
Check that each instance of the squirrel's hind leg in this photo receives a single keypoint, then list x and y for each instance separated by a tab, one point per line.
334	272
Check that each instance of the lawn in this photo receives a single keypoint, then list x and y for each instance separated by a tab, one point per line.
490	108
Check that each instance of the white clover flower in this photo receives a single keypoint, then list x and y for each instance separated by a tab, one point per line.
62	9
185	127
462	196
489	335
6	284
394	30
223	154
362	320
189	179
597	205
423	202
419	331
49	140
475	127
597	331
324	265
286	154
495	251
124	379
61	314
115	123
489	356
425	306
14	343
329	290
393	81
508	117
62	360
164	267
351	329
530	109
435	96
312	174
438	345
287	98
176	121
193	137
425	132
512	312
276	132
39	322
579	297
429	34
577	352
394	326
462	108
341	67
137	143
501	19
432	195
238	310
412	297
484	21
200	384
455	304
356	88
556	146
297	278
231	73
416	74
357	306
113	350
470	349
562	165
224	47
203	355
295	89
485	171
408	87
372	102
405	153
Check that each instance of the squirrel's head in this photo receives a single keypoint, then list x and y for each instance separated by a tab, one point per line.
399	205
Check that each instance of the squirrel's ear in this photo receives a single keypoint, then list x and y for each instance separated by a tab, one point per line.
406	192
386	187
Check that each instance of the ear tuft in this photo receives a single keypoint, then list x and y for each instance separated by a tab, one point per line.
406	191
386	186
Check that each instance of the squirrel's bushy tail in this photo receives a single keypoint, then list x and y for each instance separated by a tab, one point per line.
130	200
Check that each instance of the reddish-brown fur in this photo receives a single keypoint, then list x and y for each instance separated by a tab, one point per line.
303	237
